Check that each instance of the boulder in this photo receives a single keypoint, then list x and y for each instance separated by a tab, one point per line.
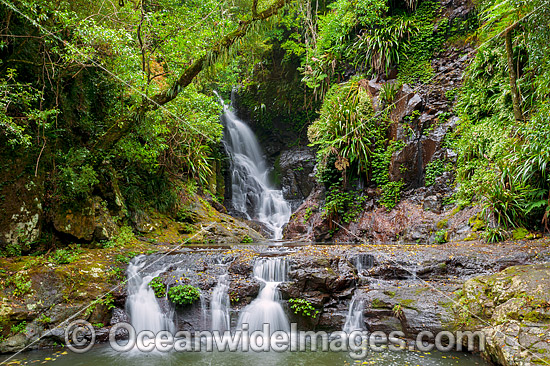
91	220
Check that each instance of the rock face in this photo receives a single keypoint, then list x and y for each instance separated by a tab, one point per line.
296	166
21	196
91	221
512	308
421	119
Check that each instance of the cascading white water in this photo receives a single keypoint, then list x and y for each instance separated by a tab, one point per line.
252	193
219	305
266	309
354	319
141	303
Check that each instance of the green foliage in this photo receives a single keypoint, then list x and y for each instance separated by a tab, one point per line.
19	328
494	235
380	47
66	255
159	288
107	300
441	237
388	92
344	205
381	161
124	237
391	194
19	109
44	319
303	307
308	213
247	239
344	126
434	169
125	258
183	294
21	282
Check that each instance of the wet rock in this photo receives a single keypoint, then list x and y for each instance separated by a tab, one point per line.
142	222
373	87
433	204
296	165
307	222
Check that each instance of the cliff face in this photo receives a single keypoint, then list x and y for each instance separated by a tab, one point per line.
421	121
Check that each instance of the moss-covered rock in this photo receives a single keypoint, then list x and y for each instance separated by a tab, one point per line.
512	308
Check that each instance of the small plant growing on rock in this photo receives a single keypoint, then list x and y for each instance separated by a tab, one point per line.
45	319
183	294
66	255
247	239
434	169
441	237
391	194
158	287
22	284
19	328
307	214
303	307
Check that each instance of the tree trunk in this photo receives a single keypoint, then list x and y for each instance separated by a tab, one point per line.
516	100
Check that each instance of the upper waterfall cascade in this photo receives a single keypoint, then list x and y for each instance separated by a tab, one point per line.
252	193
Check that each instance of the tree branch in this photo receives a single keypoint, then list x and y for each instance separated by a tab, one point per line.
122	127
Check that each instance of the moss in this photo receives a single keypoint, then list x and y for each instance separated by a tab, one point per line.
471	237
443	223
408	303
390	293
520	233
378	304
476	223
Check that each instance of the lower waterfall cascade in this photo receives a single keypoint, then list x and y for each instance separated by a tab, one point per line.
266	308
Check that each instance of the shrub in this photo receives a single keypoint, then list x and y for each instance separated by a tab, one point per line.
344	126
434	169
391	194
183	294
441	237
303	307
159	288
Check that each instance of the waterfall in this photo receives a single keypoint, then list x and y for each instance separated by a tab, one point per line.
364	262
141	303
354	319
219	305
252	193
266	307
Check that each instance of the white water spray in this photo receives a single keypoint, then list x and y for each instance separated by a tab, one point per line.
141	303
252	193
354	319
219	305
266	309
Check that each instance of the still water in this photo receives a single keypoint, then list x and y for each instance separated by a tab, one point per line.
103	355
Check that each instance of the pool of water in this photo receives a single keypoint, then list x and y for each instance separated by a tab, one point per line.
104	355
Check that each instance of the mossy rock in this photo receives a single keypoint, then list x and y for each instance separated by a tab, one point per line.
520	233
443	224
472	236
476	223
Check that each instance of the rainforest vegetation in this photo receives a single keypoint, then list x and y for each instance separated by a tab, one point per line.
116	99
